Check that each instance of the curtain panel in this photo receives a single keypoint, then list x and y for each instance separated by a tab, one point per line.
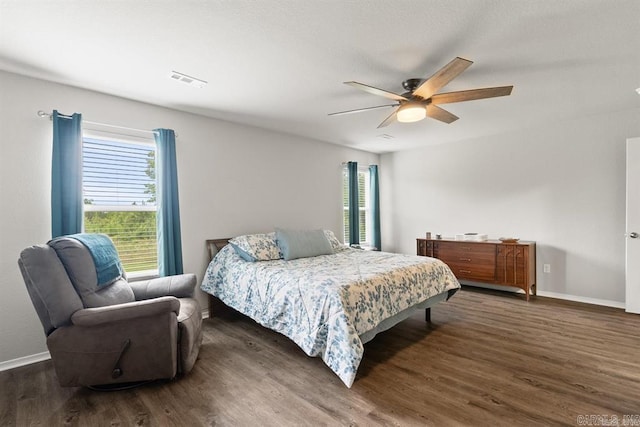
374	191
66	175
168	216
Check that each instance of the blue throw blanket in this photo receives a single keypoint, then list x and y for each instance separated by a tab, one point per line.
105	256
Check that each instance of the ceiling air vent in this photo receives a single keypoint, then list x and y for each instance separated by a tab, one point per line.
191	81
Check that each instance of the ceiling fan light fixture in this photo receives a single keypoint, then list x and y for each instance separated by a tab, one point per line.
411	112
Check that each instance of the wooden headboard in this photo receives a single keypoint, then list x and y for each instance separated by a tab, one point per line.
213	246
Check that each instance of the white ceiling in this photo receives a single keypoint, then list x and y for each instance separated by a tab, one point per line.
280	64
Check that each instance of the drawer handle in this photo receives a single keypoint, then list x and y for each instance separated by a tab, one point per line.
465	271
465	259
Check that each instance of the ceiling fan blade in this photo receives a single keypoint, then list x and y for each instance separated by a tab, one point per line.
359	110
388	120
470	95
440	114
442	77
376	91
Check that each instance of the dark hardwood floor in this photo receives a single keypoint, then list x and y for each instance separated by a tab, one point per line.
488	358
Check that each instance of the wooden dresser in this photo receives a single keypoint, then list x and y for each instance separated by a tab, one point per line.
491	261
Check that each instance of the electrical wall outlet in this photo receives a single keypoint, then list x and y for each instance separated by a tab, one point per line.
546	268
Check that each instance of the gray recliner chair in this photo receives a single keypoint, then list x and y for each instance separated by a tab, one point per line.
111	333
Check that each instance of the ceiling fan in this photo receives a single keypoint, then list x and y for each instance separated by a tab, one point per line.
421	100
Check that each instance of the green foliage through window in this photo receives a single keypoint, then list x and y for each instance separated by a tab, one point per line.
133	233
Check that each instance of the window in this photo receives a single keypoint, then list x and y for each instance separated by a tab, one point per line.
363	202
119	192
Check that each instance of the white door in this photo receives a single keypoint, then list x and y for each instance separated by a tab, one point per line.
633	226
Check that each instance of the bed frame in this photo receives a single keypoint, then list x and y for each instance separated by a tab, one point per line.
215	245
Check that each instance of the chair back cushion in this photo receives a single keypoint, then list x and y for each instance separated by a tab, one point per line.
105	256
49	287
81	269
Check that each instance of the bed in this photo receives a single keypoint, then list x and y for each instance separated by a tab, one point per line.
331	304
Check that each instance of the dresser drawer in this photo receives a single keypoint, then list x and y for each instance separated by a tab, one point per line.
479	272
421	247
465	253
470	261
464	248
467	257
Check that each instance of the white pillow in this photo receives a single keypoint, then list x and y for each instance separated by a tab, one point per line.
335	243
256	247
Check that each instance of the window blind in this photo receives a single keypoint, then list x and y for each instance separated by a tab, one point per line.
119	190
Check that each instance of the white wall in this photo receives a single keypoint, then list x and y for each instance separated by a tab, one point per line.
562	185
232	179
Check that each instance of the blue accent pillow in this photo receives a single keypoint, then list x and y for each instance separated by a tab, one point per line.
256	247
243	254
302	243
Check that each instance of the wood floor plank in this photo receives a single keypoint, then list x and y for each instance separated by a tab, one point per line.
488	358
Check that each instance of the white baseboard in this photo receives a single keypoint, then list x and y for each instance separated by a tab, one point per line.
26	360
587	300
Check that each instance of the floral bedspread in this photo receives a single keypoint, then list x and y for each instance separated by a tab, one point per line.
325	303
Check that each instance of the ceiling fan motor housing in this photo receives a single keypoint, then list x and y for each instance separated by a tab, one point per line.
411	84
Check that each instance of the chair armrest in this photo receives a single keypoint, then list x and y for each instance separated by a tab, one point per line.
179	286
127	311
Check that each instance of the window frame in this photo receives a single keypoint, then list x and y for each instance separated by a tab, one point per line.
148	141
366	208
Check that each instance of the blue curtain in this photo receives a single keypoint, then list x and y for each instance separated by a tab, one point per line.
374	191
66	175
168	218
354	208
